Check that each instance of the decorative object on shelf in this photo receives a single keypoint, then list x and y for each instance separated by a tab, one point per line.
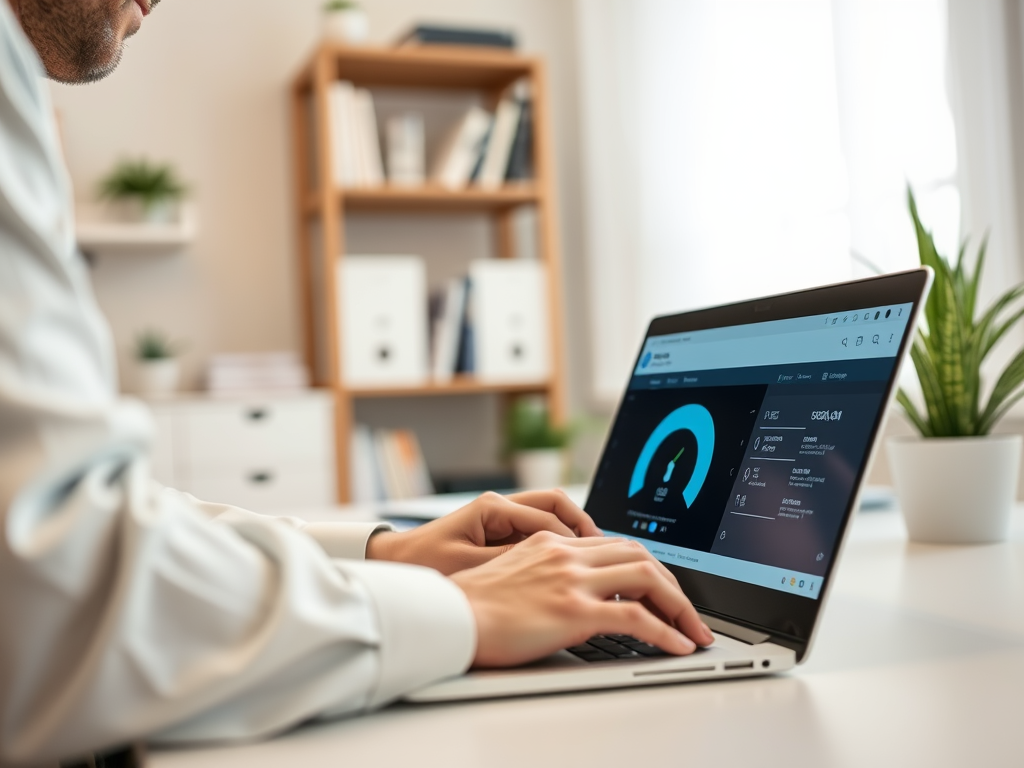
406	150
957	482
157	369
346	22
140	191
537	447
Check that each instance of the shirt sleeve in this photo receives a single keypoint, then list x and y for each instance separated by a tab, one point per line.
128	611
338	539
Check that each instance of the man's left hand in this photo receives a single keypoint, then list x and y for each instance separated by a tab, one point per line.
482	530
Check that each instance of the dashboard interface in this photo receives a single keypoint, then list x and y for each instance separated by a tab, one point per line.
736	449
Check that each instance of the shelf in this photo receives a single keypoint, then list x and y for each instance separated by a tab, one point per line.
461	385
98	236
430	198
435	66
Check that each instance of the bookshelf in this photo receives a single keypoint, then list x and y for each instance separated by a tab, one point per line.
321	208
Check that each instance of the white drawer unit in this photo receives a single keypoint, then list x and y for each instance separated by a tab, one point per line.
264	453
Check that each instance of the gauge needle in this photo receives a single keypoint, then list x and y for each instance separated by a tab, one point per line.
672	466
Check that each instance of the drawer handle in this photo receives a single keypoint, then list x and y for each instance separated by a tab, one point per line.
261	478
257	414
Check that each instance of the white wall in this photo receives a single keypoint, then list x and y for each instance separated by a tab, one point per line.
204	86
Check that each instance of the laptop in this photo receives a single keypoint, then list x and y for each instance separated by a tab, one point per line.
736	458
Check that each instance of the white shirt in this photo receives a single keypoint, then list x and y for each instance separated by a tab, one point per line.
128	610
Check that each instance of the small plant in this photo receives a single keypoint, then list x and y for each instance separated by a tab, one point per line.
949	353
529	428
153	345
332	6
139	179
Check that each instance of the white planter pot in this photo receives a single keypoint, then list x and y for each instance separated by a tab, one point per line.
131	210
540	469
351	27
154	378
956	490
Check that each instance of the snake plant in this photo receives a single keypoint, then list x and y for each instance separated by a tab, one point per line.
956	338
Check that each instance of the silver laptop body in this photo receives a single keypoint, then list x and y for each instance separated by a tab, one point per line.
737	457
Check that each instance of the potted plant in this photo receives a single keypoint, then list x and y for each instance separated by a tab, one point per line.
143	191
346	22
957	481
157	368
536	446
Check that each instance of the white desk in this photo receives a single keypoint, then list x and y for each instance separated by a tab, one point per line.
920	662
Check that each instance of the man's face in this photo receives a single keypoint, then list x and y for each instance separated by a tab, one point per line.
81	41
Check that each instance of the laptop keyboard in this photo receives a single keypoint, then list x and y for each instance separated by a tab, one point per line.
609	647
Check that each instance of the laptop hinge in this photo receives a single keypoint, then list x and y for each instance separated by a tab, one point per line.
735	631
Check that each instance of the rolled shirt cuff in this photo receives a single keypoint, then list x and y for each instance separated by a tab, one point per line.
346	541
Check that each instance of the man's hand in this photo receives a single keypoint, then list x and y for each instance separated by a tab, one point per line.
482	530
552	592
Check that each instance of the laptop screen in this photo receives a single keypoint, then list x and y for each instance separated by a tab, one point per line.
737	449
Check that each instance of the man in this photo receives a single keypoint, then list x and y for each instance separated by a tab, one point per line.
129	611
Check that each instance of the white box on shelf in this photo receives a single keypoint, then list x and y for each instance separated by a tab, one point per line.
510	320
383	320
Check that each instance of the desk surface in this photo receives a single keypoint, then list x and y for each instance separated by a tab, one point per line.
919	662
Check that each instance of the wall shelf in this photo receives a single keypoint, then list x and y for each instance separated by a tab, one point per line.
97	236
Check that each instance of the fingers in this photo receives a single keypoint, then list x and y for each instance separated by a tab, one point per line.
633	619
561	506
625	551
503	517
643	581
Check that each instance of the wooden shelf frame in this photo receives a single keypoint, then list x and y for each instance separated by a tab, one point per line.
427	198
319	202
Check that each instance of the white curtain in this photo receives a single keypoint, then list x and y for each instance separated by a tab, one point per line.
734	148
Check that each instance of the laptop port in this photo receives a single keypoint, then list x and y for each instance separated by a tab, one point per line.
738	665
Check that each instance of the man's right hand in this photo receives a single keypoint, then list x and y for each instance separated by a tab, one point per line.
551	592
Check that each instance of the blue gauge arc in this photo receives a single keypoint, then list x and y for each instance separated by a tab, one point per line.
693	418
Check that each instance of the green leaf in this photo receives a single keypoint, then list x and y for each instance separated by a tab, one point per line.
1005	393
909	408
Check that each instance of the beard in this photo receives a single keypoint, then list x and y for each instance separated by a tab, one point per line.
79	41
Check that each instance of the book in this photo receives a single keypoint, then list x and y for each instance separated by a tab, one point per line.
355	144
344	146
499	145
390	464
448	331
259	372
520	160
367	483
430	34
371	162
461	148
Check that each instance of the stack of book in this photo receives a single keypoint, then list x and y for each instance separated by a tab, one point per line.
355	142
260	372
387	465
487	149
433	34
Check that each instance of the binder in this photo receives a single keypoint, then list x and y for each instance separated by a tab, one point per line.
382	320
510	339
